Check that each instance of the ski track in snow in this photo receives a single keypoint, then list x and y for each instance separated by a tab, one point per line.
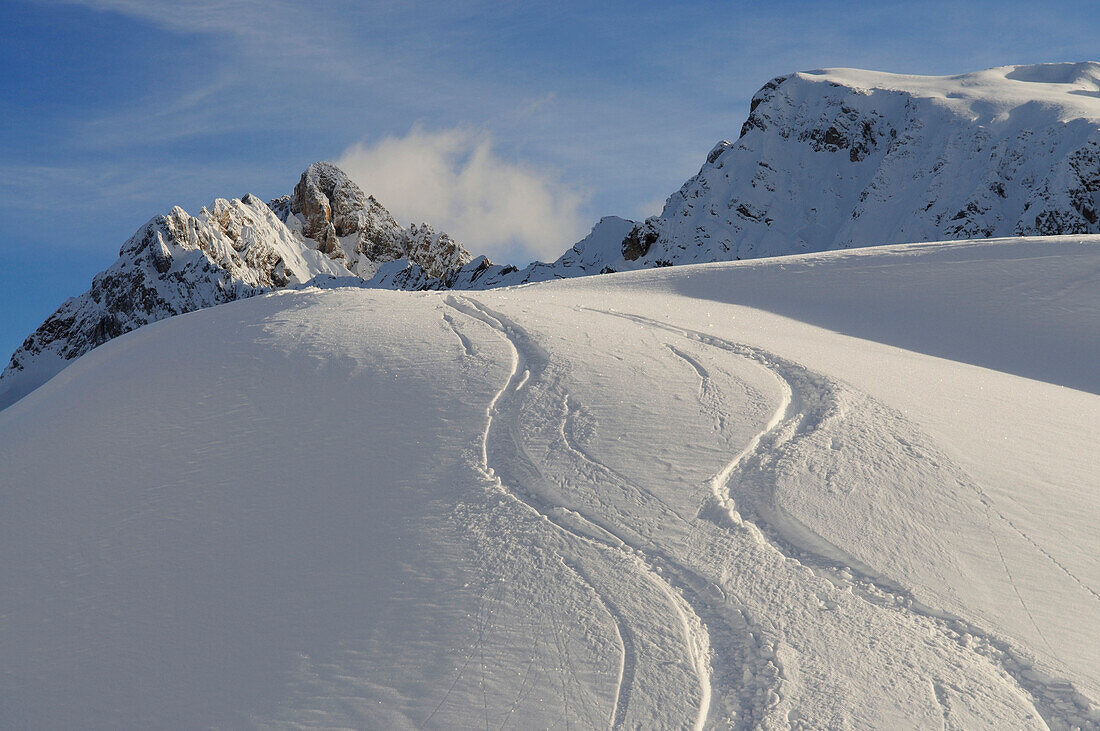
572	444
467	346
706	392
626	647
590	530
718	484
809	401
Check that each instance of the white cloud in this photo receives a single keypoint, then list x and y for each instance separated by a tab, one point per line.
455	181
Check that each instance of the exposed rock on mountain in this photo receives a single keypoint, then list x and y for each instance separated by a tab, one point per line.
590	255
347	224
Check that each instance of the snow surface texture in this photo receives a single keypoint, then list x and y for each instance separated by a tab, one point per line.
1008	151
808	492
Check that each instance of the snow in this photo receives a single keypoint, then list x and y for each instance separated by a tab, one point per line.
844	489
1068	87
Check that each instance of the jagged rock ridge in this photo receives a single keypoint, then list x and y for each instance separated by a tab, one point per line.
179	263
346	224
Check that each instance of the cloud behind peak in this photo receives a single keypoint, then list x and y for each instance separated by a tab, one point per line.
456	181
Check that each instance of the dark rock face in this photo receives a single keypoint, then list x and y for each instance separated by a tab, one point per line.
331	206
637	242
850	129
766	92
1079	174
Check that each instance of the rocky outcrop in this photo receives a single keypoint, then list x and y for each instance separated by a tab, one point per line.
590	255
347	224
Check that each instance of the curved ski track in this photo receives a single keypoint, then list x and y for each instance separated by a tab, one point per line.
528	362
809	401
716	634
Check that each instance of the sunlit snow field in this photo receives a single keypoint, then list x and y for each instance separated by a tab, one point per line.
850	489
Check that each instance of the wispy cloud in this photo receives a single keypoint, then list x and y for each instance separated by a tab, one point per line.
455	180
65	205
282	28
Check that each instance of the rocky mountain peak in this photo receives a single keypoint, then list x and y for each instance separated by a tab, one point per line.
349	225
332	206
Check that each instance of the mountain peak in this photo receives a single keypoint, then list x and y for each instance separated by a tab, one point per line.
349	225
327	199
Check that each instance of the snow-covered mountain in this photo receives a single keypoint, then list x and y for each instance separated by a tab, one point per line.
827	159
840	158
843	490
238	248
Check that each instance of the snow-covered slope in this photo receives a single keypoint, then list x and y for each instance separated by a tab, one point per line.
814	492
179	263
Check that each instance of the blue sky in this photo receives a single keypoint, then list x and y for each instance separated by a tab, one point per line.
514	125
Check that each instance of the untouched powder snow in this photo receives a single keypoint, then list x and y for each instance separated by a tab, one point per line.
808	492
